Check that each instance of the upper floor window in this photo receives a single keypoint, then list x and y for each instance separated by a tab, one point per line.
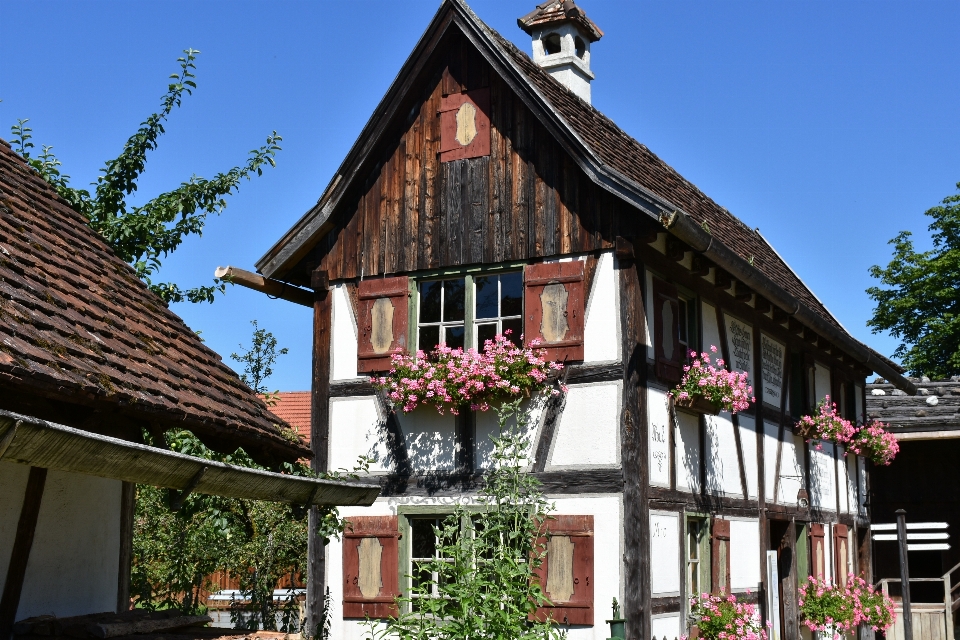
499	306
442	313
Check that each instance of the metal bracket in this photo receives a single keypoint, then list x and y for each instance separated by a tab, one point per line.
177	501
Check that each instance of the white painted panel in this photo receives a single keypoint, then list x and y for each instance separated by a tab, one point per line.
842	490
792	470
822	381
75	557
430	439
748	442
664	553
723	467
822	476
862	483
665	626
711	332
356	429
744	554
658	437
850	470
589	429
601	332
488	426
648	325
772	354
343	345
740	346
858	400
771	433
687	435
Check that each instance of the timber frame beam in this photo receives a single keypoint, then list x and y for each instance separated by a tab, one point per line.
273	288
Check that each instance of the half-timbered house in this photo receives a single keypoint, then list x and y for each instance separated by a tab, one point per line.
90	359
484	177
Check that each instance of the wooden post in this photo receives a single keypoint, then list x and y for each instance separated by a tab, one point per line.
319	443
128	507
904	574
20	554
633	429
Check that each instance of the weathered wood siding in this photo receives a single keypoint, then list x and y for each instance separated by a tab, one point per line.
527	199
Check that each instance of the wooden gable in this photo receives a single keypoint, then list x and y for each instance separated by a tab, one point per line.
523	198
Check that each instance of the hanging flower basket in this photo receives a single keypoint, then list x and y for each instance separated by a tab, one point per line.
698	404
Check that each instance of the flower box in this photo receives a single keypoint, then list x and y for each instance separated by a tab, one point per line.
698	404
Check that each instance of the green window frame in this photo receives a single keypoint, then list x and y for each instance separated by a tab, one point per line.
697	565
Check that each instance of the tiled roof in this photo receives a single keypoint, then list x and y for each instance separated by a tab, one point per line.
79	329
618	150
557	11
293	407
936	407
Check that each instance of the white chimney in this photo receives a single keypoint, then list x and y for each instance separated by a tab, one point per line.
562	34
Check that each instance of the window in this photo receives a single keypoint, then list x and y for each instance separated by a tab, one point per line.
698	556
499	306
423	551
687	321
466	311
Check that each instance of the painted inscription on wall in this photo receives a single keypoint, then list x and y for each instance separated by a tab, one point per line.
772	354
740	346
664	551
659	437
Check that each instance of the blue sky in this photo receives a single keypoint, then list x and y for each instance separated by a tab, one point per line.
831	126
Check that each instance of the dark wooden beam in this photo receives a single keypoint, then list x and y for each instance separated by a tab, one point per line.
721	279
761	304
780	316
624	249
742	293
700	266
794	327
675	249
319	440
633	427
20	554
128	508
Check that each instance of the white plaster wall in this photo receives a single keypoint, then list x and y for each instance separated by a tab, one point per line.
792	470
862	483
665	553
430	439
73	564
843	492
343	345
744	554
488	426
771	433
665	626
711	332
687	436
607	512
722	465
658	437
748	442
601	331
858	400
588	434
850	472
822	381
357	429
822	477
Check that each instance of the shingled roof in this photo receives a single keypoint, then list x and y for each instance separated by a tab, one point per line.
85	343
293	407
933	413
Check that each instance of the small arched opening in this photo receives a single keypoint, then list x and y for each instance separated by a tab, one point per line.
580	46
551	44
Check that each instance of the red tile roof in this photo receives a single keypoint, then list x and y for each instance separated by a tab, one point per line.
293	407
84	342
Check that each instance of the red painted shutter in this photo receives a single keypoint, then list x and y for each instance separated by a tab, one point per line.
476	117
720	556
840	566
559	326
378	338
573	597
371	594
817	550
666	334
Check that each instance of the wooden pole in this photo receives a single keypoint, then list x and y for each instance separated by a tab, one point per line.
20	554
904	574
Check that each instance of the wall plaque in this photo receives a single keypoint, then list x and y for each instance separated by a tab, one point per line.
773	357
740	347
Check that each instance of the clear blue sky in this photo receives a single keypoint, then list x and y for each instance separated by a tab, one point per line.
830	125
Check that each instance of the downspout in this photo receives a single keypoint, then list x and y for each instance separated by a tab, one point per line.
683	227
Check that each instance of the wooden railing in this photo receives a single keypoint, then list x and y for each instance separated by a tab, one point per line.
931	620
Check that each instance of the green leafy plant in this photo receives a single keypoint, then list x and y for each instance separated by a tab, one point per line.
918	303
486	584
722	617
258	360
143	235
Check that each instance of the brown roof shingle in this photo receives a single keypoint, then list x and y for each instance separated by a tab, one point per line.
79	330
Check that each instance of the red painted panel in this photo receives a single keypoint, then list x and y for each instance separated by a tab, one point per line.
450	147
535	278
579	608
386	530
397	291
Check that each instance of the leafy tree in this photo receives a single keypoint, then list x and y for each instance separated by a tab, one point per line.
921	304
259	359
486	585
143	235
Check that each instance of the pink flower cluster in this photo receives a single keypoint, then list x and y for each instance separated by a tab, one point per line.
836	608
871	440
453	378
720	617
729	389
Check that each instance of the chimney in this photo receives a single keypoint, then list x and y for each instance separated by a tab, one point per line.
562	34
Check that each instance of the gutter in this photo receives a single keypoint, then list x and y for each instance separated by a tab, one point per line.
683	227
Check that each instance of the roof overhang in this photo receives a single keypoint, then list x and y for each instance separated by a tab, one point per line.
31	441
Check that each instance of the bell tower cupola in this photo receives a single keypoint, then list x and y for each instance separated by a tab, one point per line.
562	34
